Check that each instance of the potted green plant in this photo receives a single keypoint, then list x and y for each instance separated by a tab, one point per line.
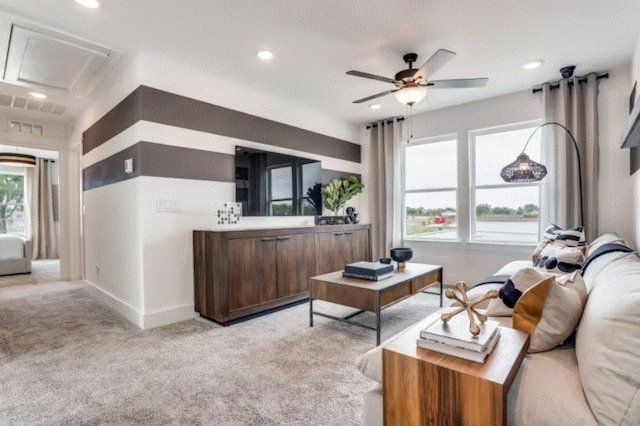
337	192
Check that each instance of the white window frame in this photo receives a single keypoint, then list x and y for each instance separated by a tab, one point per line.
472	135
424	141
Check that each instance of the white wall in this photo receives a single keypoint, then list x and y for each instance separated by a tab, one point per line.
635	194
145	256
616	211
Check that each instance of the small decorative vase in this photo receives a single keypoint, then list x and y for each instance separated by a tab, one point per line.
401	255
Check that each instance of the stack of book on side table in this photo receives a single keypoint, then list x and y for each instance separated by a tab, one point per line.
454	338
374	271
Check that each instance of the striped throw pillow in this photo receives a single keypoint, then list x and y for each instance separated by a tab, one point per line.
572	237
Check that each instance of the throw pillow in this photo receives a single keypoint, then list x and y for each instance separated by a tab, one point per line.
572	237
560	259
550	310
511	291
608	344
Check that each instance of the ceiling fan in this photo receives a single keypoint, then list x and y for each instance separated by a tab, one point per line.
412	83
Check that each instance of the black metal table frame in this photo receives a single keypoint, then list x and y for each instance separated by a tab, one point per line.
347	319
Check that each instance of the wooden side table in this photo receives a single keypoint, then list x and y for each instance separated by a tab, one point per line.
423	387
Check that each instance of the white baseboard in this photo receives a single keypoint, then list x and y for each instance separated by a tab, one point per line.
121	307
169	316
145	321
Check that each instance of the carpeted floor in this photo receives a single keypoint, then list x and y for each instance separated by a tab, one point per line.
65	359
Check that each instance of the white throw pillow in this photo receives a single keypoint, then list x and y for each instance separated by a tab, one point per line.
608	344
511	291
550	310
560	259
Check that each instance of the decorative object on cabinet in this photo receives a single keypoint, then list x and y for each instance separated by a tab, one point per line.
337	192
229	214
352	216
401	255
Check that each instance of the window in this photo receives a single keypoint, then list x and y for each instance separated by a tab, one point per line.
430	189
444	202
12	213
500	211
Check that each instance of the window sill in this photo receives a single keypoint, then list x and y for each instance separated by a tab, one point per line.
473	245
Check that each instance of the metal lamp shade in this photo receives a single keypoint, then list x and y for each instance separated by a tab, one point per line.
18	160
524	169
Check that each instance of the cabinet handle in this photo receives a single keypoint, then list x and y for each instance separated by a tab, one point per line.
267	239
282	238
348	233
339	233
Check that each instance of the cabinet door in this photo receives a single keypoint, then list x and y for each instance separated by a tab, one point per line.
252	272
330	250
357	246
296	263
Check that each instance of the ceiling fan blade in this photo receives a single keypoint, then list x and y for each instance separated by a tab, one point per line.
434	63
368	98
461	83
371	76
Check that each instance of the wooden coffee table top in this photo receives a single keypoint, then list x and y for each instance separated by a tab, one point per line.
411	271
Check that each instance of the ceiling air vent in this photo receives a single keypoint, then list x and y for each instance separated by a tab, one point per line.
34	129
51	59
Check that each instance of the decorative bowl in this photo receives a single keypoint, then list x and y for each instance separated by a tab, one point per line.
401	255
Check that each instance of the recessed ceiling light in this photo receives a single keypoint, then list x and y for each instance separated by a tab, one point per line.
533	64
91	4
38	95
375	106
265	55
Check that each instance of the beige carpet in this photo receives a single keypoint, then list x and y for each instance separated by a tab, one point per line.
41	271
67	360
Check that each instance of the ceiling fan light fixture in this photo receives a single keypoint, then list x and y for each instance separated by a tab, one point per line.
411	94
17	160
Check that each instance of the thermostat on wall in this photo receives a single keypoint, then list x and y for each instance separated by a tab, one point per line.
128	165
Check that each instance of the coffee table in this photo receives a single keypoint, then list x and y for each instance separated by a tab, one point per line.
372	296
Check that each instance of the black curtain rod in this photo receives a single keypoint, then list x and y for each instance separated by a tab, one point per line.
580	80
387	122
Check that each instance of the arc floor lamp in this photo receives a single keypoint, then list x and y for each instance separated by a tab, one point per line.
524	169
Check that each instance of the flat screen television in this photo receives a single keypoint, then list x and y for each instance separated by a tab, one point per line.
273	184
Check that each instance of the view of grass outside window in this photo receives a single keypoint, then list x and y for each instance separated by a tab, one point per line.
12	212
430	189
504	212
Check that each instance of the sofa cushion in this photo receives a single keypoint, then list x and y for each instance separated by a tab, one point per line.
550	310
547	392
560	259
11	247
512	290
608	343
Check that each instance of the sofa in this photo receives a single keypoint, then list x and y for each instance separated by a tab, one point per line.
15	255
593	377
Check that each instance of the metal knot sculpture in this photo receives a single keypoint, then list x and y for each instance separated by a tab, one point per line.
469	306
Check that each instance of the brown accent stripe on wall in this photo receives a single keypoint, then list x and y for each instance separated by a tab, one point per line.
158	106
327	175
153	159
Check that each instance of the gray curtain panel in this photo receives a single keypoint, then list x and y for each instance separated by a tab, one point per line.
386	219
576	107
40	193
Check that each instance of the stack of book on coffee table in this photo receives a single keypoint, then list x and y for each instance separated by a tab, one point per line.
374	271
454	338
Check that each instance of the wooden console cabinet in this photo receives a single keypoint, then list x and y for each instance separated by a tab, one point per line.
240	273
